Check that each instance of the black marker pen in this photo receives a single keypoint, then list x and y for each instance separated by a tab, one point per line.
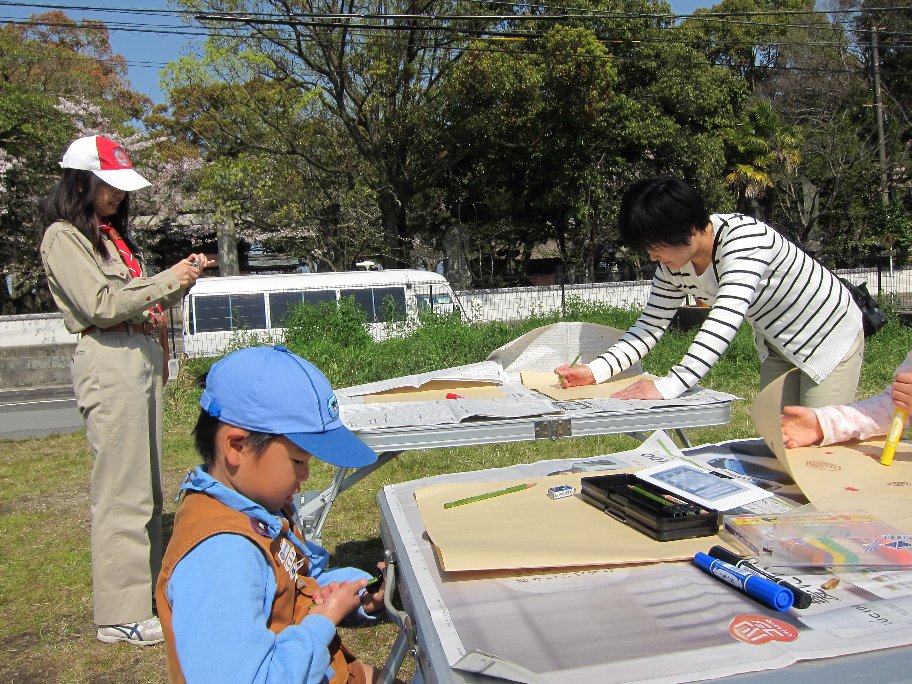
802	598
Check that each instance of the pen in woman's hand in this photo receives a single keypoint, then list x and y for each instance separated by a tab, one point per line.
572	363
562	377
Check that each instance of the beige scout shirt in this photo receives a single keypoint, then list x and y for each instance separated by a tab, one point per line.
92	290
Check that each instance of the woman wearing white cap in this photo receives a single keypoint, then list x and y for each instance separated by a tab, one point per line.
99	284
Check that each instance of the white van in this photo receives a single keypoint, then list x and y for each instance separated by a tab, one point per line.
216	309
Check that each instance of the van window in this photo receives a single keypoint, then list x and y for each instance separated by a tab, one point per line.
281	303
435	301
375	301
214	313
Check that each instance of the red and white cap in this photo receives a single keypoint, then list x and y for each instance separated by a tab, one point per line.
106	159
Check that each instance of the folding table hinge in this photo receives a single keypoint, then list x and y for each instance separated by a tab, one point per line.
553	428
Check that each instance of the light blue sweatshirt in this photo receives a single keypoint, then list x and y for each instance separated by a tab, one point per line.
221	594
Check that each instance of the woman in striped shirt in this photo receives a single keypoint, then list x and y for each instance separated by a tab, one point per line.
801	314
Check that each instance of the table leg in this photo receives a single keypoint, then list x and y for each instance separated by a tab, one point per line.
405	639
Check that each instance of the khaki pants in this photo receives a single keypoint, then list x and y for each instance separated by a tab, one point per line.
118	382
799	390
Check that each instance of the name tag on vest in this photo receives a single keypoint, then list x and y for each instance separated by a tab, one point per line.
288	558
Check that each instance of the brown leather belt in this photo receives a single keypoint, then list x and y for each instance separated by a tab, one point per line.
140	328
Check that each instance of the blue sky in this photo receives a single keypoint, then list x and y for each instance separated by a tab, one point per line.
148	40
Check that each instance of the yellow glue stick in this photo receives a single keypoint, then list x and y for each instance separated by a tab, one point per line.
895	432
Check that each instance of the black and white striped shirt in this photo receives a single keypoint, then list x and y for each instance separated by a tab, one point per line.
795	306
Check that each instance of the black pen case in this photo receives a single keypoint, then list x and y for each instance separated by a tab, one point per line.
639	504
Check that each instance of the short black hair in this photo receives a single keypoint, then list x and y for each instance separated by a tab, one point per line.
660	211
204	436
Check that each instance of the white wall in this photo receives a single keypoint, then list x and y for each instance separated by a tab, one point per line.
34	330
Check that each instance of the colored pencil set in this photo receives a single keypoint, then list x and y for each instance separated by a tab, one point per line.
820	539
647	508
668	503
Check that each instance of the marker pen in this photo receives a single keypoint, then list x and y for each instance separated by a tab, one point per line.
802	598
758	588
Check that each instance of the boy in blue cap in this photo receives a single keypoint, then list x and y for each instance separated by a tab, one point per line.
242	596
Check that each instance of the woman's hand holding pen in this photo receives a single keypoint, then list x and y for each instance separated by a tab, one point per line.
572	375
189	269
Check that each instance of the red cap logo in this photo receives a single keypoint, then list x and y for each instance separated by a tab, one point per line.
111	155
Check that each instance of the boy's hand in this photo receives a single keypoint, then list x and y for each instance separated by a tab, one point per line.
902	392
800	427
337	599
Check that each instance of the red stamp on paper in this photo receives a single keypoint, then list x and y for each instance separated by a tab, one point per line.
823	465
759	629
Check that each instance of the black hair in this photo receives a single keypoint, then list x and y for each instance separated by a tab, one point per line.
72	200
204	436
660	211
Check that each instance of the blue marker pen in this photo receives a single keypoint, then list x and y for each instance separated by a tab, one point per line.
758	588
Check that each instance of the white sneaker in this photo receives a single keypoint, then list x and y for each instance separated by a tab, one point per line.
145	633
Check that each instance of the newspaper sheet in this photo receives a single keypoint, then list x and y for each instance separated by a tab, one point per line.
408	413
667	622
485	372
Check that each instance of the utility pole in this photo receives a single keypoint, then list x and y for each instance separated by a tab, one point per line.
878	107
882	150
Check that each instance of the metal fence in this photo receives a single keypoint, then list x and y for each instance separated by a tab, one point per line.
892	287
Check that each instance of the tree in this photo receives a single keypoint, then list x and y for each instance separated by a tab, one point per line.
273	164
529	116
555	128
750	37
802	159
760	149
891	25
370	81
58	79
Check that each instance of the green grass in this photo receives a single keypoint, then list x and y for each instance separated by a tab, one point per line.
46	631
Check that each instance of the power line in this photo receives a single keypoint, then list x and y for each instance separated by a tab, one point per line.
108	10
365	29
579	13
285	20
647	15
621	59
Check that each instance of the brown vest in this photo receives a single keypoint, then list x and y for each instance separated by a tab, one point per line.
199	517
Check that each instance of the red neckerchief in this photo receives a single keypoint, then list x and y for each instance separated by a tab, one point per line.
132	264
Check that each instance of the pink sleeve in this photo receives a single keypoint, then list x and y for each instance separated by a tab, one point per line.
862	419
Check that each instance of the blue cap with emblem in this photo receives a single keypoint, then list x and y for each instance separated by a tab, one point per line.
269	389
